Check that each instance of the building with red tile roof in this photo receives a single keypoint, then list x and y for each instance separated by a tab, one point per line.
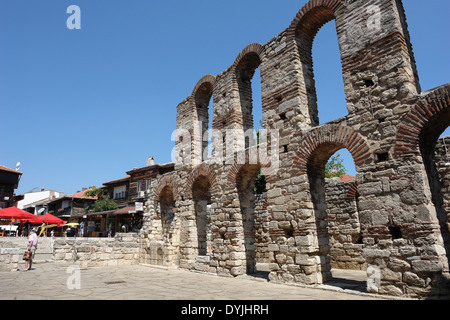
347	178
72	205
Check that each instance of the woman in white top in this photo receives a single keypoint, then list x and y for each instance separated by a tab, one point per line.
32	246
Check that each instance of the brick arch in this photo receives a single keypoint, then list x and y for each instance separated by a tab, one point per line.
352	193
251	56
242	71
264	164
320	143
166	181
429	116
300	38
202	93
312	17
203	169
208	79
199	104
254	48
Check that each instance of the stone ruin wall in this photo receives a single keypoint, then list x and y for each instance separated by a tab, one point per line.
202	216
123	249
344	229
441	158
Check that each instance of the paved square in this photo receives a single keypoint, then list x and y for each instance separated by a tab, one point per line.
62	281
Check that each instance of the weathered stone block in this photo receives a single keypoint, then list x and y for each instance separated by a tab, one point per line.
428	266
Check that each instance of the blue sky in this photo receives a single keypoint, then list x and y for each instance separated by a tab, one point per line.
82	107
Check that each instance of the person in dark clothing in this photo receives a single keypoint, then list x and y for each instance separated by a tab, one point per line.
27	228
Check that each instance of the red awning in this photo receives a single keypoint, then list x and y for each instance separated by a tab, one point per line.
16	213
49	219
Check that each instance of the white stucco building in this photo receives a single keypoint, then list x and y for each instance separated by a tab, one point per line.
34	201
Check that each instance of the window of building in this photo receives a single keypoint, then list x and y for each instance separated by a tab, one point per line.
120	192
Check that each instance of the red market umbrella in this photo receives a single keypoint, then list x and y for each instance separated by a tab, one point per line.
49	219
16	213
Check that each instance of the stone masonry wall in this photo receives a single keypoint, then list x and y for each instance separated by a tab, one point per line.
11	254
390	131
262	236
204	216
442	161
123	249
344	229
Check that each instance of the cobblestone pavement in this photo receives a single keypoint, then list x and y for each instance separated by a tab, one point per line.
56	281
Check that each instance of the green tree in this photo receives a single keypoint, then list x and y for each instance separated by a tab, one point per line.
96	192
335	167
103	202
259	138
260	184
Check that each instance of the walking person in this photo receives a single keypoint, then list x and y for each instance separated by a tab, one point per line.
82	229
21	229
42	230
27	228
32	246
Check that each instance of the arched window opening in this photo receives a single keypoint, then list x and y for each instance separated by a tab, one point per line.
249	84
341	196
167	209
327	58
334	195
246	178
257	100
203	106
436	157
201	192
422	129
329	84
208	133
